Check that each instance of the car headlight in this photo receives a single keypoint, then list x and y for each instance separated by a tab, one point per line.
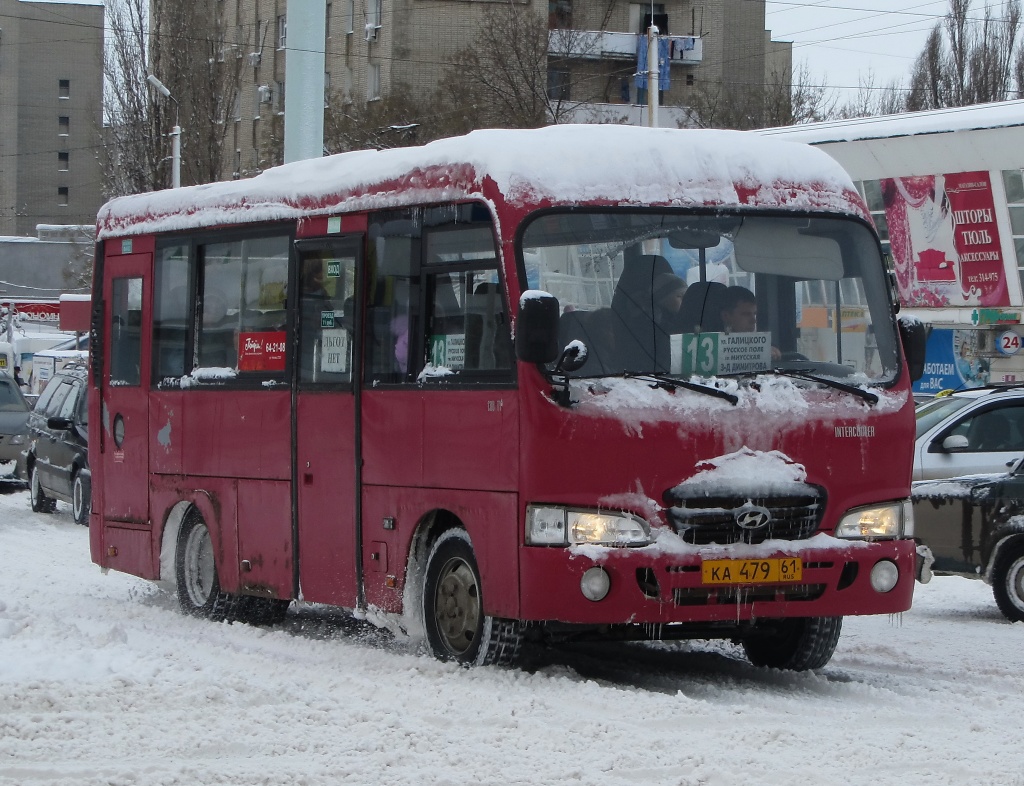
878	522
18	439
556	526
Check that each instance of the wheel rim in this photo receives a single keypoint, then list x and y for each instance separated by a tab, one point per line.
1015	583
78	499
457	606
198	564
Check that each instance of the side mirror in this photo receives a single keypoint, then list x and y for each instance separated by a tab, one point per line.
59	424
914	335
573	357
537	327
954	443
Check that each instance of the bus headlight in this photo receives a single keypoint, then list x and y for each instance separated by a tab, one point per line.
556	526
878	522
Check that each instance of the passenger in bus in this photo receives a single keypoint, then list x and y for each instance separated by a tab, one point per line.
634	304
400	336
739	313
700	311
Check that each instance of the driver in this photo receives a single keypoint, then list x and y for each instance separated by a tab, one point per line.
739	313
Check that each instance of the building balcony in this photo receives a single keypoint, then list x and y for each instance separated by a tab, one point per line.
602	45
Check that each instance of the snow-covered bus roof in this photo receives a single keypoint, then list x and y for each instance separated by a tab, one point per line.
1002	114
556	165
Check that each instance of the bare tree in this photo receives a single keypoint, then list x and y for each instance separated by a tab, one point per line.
977	61
782	100
502	78
398	119
873	100
184	46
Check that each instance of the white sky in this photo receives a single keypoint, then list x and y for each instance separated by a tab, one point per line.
844	40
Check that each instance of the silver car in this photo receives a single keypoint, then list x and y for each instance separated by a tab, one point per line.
14	410
969	432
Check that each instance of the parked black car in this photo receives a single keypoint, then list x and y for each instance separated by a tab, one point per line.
57	457
14	411
974	526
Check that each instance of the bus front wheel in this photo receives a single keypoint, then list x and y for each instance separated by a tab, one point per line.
456	626
794	644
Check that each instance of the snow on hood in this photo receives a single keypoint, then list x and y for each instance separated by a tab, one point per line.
565	164
764	472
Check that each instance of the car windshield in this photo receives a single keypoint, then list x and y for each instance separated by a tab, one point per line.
935	411
11	399
678	293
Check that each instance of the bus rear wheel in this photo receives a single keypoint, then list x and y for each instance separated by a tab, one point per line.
199	592
794	644
456	626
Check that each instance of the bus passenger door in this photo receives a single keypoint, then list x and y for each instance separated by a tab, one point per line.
124	441
325	471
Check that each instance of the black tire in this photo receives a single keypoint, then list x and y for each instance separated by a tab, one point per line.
40	502
795	644
456	627
262	611
1008	581
199	592
81	498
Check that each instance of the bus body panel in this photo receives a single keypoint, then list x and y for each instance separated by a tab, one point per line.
244	434
326	485
265	543
485	516
167	422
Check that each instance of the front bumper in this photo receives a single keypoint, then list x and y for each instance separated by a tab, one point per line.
649	586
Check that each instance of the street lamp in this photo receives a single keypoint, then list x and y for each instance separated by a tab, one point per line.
175	132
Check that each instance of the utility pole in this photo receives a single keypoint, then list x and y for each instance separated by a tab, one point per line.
653	71
175	132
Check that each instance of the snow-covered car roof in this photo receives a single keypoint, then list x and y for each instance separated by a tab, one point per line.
556	165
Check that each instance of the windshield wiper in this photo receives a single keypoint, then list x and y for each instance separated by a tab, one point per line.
867	395
671	383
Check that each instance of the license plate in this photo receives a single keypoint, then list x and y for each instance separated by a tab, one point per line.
751	571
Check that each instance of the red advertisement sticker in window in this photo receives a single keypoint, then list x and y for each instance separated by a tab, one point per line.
261	351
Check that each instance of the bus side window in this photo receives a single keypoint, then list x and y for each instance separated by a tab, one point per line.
393	299
126	331
242	325
170	312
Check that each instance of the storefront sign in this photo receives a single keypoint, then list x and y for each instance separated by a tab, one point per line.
1008	343
994	316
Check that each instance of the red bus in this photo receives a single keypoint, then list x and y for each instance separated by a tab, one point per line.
462	384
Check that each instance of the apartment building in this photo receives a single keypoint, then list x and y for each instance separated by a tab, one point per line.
595	53
50	113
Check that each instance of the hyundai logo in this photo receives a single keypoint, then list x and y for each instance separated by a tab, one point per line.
752	517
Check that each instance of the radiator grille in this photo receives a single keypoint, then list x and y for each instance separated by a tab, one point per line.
712	519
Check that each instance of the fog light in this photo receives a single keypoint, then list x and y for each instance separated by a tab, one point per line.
595	584
884	575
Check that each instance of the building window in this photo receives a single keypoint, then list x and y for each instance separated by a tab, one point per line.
236	106
690	79
327	22
373	82
63	160
63	125
373	14
558	85
1013	182
560	14
64	88
282	31
350	16
327	89
279	97
62	196
346	85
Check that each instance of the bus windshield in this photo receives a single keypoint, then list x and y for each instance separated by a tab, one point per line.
723	294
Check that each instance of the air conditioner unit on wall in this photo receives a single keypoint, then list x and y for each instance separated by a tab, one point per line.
266	94
254	59
370	32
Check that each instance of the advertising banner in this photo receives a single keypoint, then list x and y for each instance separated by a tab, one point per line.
262	351
944	239
952	362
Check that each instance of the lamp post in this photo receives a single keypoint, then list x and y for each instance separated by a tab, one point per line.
175	132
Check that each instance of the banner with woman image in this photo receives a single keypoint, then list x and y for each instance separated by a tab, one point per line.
944	239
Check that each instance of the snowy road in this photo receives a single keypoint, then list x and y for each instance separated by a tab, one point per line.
102	681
